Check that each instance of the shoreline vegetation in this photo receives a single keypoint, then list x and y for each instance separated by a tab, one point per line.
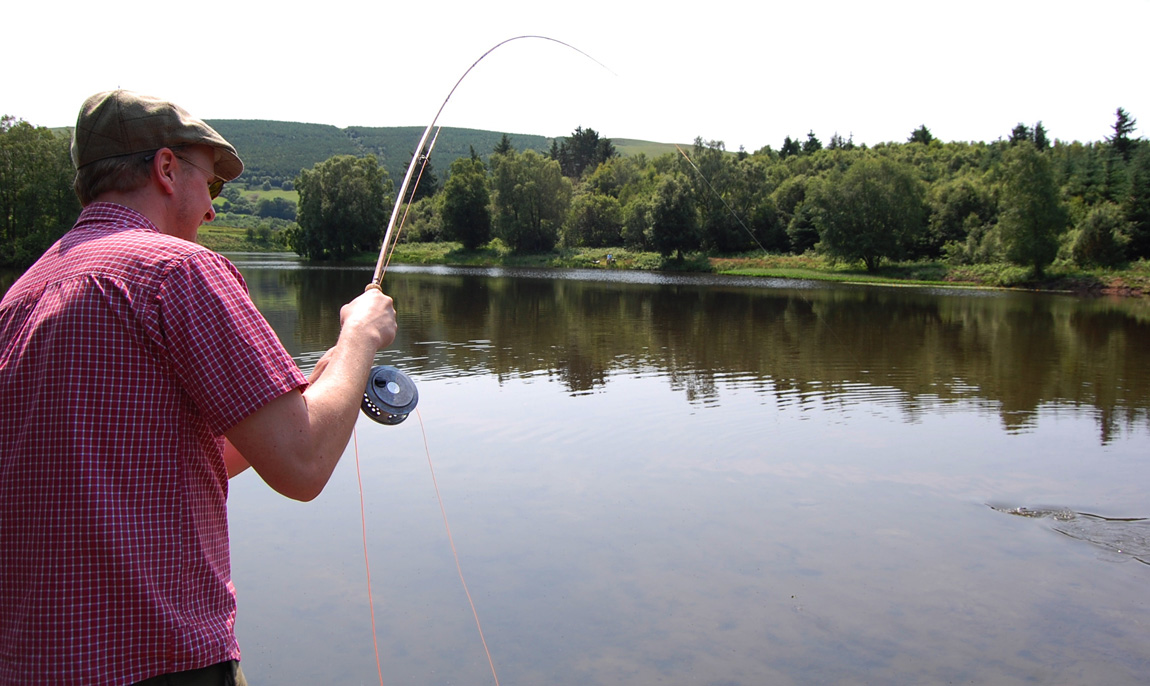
1029	212
1131	281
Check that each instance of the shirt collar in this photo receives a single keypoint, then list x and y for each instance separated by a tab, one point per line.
122	216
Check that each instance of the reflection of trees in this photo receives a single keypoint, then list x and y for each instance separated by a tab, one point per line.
303	304
838	345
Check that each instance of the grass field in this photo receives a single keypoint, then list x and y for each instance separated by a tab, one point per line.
229	239
629	147
256	194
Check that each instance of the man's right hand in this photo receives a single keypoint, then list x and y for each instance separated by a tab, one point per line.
374	313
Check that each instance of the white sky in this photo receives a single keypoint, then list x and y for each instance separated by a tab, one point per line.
746	72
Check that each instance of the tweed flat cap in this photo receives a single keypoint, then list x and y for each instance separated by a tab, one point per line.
121	122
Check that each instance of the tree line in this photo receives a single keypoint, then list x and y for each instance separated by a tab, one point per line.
1025	199
37	203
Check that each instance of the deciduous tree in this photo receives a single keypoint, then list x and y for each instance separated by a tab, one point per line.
594	221
674	220
955	206
1100	237
344	203
466	208
37	203
720	197
531	200
871	212
1030	217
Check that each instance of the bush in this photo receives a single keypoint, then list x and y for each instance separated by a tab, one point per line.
1100	237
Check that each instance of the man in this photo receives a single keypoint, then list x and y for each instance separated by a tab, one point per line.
136	377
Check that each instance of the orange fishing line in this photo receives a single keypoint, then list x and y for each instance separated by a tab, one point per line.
366	562
450	540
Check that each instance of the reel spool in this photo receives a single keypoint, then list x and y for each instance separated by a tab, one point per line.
390	396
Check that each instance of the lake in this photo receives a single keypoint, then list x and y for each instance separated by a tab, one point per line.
696	479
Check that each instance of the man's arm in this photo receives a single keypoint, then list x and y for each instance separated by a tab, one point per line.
233	460
295	441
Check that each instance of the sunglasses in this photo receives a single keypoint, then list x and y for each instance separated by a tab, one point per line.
215	186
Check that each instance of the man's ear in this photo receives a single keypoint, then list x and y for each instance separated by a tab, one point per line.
164	171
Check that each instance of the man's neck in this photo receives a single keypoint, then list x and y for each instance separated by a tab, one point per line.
145	203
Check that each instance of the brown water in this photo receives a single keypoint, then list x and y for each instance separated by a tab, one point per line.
680	480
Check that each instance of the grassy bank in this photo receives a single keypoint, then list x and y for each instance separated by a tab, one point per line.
1133	280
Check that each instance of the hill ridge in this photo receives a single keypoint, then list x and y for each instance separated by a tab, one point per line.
276	151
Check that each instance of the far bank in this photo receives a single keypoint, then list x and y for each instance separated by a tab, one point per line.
1132	280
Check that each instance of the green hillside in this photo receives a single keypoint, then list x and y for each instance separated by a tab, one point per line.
276	150
631	147
395	144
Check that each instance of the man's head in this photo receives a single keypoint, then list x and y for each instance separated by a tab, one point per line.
117	130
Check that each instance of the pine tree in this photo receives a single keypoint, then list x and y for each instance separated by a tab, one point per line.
1124	125
920	135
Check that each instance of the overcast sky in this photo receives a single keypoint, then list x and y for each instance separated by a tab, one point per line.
744	72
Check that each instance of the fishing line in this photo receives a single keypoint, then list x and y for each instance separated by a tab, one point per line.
421	159
450	541
366	562
391	395
454	553
720	197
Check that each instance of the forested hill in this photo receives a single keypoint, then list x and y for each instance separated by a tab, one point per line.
277	150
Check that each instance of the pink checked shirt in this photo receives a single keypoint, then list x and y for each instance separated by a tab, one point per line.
125	355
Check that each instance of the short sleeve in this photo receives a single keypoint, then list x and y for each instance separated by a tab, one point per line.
225	354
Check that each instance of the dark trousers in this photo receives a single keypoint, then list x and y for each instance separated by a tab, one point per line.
222	674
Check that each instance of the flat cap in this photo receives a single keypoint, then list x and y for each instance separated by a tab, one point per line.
121	122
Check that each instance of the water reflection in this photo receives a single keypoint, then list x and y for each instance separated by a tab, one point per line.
667	479
1012	353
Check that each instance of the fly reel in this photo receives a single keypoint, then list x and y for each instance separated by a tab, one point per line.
390	395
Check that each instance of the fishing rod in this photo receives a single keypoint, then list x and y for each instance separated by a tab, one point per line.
390	394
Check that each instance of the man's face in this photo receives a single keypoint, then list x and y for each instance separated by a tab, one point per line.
194	206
